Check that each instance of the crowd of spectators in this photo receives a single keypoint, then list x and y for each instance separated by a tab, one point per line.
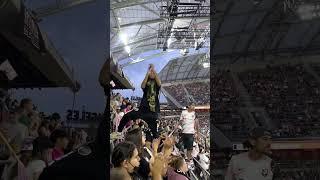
31	141
298	170
283	169
289	95
200	91
225	105
177	91
163	158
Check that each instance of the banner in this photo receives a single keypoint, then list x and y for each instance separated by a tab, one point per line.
136	98
76	115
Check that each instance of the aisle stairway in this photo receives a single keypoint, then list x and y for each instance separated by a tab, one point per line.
173	100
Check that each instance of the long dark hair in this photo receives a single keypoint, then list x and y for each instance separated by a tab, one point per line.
135	136
123	151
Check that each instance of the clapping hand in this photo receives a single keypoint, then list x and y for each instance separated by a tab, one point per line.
155	145
168	143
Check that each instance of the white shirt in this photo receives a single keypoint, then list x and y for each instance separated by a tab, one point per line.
243	168
16	132
188	121
35	167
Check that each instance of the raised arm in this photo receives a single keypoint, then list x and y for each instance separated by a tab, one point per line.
156	77
144	82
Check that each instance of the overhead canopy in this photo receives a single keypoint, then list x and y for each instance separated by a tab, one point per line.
118	77
137	22
258	28
185	68
30	52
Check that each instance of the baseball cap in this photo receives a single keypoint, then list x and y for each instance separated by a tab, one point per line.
259	132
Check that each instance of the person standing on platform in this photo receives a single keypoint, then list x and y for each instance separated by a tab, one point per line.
190	128
149	107
150	104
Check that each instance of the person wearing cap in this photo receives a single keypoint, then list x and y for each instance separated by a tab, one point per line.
254	164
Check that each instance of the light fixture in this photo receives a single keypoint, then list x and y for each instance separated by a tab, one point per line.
127	49
206	65
124	38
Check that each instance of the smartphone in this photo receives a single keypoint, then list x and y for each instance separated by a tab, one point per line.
146	154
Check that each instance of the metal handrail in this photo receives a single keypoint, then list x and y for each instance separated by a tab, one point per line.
193	175
201	167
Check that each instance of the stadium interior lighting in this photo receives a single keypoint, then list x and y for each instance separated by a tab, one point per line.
124	38
128	49
184	52
206	65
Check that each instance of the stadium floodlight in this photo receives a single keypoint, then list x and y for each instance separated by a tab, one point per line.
184	52
128	49
124	38
206	65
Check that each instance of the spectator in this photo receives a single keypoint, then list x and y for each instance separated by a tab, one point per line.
34	125
60	141
119	174
41	156
178	169
125	155
26	106
137	137
129	108
44	129
14	131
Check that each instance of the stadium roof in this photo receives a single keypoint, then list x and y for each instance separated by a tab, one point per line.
257	28
137	22
118	77
185	68
30	52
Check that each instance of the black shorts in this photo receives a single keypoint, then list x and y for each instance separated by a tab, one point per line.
188	141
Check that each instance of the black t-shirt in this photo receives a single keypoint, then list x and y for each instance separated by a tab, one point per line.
144	169
150	100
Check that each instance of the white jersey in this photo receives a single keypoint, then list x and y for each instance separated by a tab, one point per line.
188	122
243	168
